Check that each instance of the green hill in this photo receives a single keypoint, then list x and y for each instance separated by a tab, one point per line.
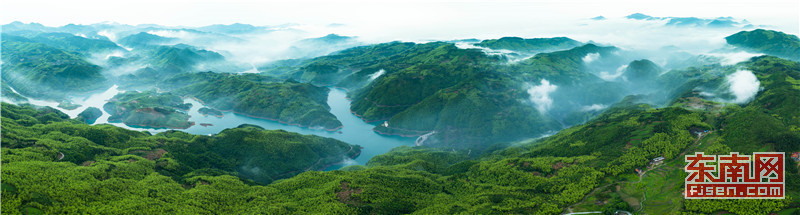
466	97
533	45
149	109
642	71
162	62
768	42
589	167
352	66
470	101
288	102
143	39
77	44
41	71
89	115
55	165
10	94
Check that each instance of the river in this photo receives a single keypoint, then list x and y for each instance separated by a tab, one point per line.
354	130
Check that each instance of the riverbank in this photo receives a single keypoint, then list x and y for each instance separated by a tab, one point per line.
267	118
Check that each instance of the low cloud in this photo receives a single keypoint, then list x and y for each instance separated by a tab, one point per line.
743	85
589	58
610	77
109	35
377	74
732	58
184	35
540	95
593	107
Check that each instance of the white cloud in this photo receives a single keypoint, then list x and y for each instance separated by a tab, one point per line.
540	95
743	85
109	35
591	57
733	57
406	20
173	34
610	77
593	107
377	74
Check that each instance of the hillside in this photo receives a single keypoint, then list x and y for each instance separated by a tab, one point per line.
471	102
534	45
287	102
149	109
768	42
501	126
157	63
55	165
77	44
143	39
42	71
574	169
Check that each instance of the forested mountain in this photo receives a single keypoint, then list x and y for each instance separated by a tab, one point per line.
768	42
42	71
719	22
463	97
288	102
510	125
144	39
76	44
468	99
149	109
543	176
50	162
534	45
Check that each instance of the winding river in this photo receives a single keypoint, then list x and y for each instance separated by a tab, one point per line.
354	130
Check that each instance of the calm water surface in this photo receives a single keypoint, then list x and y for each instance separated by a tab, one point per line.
354	130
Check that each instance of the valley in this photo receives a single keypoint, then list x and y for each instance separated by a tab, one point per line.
237	119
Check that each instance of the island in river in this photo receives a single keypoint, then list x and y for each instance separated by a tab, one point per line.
149	109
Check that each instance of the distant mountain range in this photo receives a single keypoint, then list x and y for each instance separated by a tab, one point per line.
720	22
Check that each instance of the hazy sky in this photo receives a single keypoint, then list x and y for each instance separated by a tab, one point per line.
434	18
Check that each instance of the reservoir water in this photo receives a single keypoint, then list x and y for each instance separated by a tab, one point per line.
354	130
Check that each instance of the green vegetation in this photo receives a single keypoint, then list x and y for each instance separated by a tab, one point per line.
430	67
586	167
471	101
163	62
55	165
351	67
77	44
209	111
186	79
90	115
762	125
149	109
68	105
10	94
180	58
288	102
468	98
642	71
767	41
474	105
530	45
143	39
41	71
